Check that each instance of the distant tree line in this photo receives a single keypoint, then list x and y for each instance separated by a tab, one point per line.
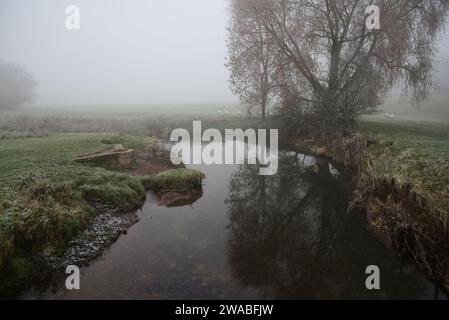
16	86
319	62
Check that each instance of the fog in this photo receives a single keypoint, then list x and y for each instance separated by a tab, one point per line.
442	68
140	51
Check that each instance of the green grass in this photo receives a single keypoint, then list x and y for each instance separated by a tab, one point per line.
53	157
45	195
413	152
179	180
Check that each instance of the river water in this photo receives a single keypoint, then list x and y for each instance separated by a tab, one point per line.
286	236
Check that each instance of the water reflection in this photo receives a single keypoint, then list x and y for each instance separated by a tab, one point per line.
248	237
290	236
176	199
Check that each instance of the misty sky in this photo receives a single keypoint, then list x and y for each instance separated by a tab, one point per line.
139	51
135	51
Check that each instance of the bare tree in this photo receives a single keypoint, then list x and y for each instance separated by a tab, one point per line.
252	60
16	86
345	69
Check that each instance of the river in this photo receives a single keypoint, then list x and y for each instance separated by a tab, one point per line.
287	236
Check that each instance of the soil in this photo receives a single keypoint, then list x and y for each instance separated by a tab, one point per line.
176	199
148	164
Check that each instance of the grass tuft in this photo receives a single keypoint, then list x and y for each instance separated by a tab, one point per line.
175	180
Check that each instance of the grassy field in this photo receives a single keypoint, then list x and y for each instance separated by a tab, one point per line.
132	119
434	110
133	110
45	196
414	146
413	152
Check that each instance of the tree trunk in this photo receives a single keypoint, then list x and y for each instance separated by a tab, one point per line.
264	106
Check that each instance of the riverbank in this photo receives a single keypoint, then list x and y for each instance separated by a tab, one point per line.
404	191
401	173
54	210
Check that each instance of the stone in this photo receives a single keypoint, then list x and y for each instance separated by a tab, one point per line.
116	158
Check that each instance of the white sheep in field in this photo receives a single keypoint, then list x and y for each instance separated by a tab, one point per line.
389	115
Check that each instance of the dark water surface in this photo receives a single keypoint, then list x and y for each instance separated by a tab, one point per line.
250	237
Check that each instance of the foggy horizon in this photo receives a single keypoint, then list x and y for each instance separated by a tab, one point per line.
150	53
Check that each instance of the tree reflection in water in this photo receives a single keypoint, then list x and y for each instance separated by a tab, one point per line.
290	236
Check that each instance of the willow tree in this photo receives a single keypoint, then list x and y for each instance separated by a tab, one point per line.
345	69
252	61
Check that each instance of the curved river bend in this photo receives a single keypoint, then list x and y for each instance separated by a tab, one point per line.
250	237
